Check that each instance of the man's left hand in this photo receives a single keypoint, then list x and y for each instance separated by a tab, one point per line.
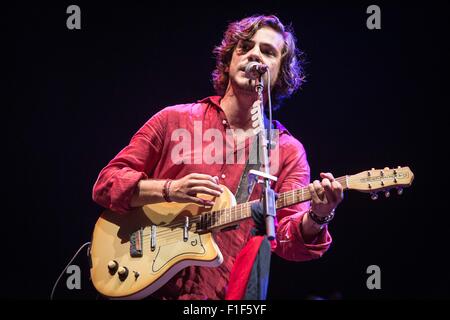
325	195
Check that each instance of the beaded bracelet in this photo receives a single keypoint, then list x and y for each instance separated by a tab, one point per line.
321	220
165	191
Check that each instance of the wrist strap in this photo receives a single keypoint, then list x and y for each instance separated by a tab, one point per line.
165	190
321	220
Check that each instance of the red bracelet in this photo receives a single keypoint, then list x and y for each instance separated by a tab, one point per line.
165	191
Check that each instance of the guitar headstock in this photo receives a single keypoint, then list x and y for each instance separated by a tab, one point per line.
375	180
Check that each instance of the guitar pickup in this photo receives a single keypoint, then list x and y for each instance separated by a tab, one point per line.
186	229
153	238
136	240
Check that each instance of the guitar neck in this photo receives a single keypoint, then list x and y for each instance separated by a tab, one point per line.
229	216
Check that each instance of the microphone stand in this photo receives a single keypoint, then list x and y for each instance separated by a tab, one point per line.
265	144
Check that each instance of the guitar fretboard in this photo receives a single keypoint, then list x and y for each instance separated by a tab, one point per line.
229	216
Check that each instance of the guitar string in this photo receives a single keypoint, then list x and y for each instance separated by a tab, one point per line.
287	196
170	229
173	233
170	234
197	219
229	213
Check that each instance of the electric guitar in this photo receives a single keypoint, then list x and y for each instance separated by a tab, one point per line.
133	255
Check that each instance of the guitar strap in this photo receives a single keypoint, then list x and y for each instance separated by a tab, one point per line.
250	273
245	188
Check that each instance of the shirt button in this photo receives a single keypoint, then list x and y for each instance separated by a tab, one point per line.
223	175
224	122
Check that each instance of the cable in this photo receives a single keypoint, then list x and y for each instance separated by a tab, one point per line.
59	278
270	113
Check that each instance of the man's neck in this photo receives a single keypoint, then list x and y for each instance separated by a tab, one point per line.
237	108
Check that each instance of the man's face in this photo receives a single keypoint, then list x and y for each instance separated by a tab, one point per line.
265	47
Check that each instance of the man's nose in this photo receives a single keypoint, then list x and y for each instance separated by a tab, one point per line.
255	55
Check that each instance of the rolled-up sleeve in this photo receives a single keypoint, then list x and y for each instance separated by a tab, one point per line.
290	244
117	182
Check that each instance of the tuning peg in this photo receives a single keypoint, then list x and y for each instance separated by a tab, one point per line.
387	194
399	191
374	196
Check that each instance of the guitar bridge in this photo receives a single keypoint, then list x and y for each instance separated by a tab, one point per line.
136	244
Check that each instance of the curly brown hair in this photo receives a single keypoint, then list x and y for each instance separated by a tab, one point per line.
291	75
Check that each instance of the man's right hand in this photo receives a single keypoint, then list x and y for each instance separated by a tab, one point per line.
186	188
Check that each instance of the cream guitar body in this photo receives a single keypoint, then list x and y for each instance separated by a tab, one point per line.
118	273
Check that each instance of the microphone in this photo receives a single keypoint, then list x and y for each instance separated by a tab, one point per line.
254	70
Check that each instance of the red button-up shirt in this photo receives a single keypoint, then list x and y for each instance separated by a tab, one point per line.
149	155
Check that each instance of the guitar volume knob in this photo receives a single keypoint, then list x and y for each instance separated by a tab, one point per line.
123	273
113	266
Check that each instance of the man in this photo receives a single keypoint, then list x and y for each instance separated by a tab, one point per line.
148	170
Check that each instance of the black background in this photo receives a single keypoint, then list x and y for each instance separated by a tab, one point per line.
374	98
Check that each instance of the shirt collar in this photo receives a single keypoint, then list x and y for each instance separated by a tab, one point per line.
215	101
